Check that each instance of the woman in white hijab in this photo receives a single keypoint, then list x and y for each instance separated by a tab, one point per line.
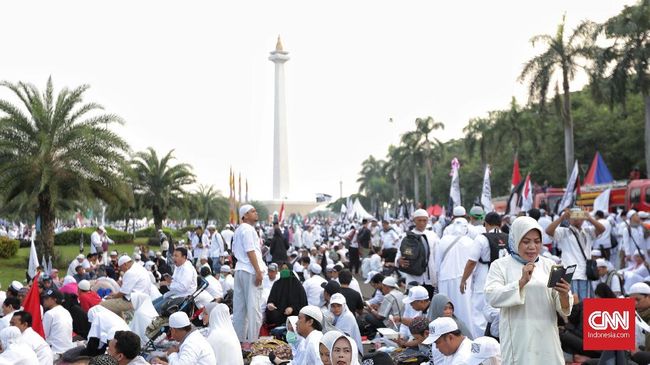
222	336
13	350
102	322
292	334
343	319
143	314
343	351
517	284
326	343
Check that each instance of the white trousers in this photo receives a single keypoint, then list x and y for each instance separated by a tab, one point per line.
478	319
246	310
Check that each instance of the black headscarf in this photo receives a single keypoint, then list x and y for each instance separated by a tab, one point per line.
287	292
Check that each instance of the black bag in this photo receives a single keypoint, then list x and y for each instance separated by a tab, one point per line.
498	241
413	250
591	269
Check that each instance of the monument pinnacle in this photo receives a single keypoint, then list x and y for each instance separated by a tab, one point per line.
280	142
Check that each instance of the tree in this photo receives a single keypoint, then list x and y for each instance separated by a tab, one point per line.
627	60
57	149
560	55
159	183
206	203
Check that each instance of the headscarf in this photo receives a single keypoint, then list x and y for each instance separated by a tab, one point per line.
353	345
346	322
287	292
222	337
102	321
143	314
437	308
9	336
458	227
518	230
294	324
14	351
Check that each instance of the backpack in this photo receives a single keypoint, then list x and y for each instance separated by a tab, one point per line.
498	241
621	278
412	250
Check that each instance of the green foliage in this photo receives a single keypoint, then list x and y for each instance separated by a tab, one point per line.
262	211
152	232
8	247
72	236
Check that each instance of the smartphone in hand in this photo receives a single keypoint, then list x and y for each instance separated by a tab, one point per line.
560	272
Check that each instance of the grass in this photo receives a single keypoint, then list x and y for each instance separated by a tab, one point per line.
14	268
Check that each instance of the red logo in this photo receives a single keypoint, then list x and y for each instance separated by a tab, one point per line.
608	324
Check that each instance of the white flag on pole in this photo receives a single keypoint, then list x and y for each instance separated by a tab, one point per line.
570	193
527	195
486	194
33	261
454	189
602	201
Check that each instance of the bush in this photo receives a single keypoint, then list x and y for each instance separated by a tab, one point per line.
151	232
71	237
8	247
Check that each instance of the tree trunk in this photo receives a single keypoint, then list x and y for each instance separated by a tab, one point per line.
157	217
47	215
646	100
427	183
416	185
568	126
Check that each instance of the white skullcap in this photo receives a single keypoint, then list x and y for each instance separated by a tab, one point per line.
315	268
314	312
16	285
459	211
211	226
68	280
596	252
245	209
113	253
158	253
123	260
137	257
644	215
179	320
80	256
204	256
225	268
338	298
84	285
639	288
601	263
101	228
630	213
390	281
420	213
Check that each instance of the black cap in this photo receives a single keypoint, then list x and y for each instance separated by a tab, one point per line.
53	293
493	219
331	287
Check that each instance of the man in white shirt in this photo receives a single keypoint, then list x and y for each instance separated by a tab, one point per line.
226	279
604	241
57	322
389	239
444	333
183	282
216	248
134	279
574	251
23	321
227	235
96	241
545	221
269	279
196	240
309	326
249	273
313	287
193	349
475	227
79	260
125	348
214	287
9	306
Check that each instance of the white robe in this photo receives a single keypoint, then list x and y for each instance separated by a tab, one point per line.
143	314
103	323
40	347
347	323
528	323
194	350
222	337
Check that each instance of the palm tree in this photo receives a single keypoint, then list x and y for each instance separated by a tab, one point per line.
560	55
371	180
206	202
423	146
160	184
477	132
627	60
55	150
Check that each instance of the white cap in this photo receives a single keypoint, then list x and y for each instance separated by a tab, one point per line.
137	257
338	298
329	267
312	311
459	211
439	327
224	268
596	252
416	293
211	226
16	285
483	348
123	260
420	213
630	213
644	215
601	263
639	288
101	228
84	285
68	279
158	253
390	281
179	320
245	209
315	268
80	256
113	253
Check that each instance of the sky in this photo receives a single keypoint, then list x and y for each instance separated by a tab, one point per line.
195	76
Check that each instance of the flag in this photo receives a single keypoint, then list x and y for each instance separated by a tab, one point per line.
516	176
240	188
49	266
33	261
81	242
602	201
32	304
246	200
527	195
569	197
454	189
598	172
281	214
486	193
513	206
387	215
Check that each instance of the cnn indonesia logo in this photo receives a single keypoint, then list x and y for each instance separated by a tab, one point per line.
608	324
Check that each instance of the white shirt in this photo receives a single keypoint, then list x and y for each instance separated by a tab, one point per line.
57	325
95	242
183	281
216	246
473	231
40	347
4	321
73	265
135	279
429	277
462	354
571	255
227	284
308	352
194	350
214	287
454	262
227	236
244	241
389	239
314	290
480	250
545	221
605	238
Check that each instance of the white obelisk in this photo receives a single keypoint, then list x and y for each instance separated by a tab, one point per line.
280	150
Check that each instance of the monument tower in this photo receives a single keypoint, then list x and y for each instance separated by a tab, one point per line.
280	150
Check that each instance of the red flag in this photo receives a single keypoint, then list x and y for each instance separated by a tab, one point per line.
281	215
32	304
516	176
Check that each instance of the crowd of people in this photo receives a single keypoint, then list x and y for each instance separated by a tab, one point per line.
466	289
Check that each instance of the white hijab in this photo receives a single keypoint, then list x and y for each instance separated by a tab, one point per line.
346	322
355	351
143	314
14	350
222	337
103	322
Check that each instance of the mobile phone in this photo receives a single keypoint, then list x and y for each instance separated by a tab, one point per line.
560	272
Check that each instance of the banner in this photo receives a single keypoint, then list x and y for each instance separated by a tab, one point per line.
527	195
486	193
454	189
569	197
602	201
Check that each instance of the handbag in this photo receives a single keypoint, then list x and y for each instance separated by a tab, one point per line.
591	268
